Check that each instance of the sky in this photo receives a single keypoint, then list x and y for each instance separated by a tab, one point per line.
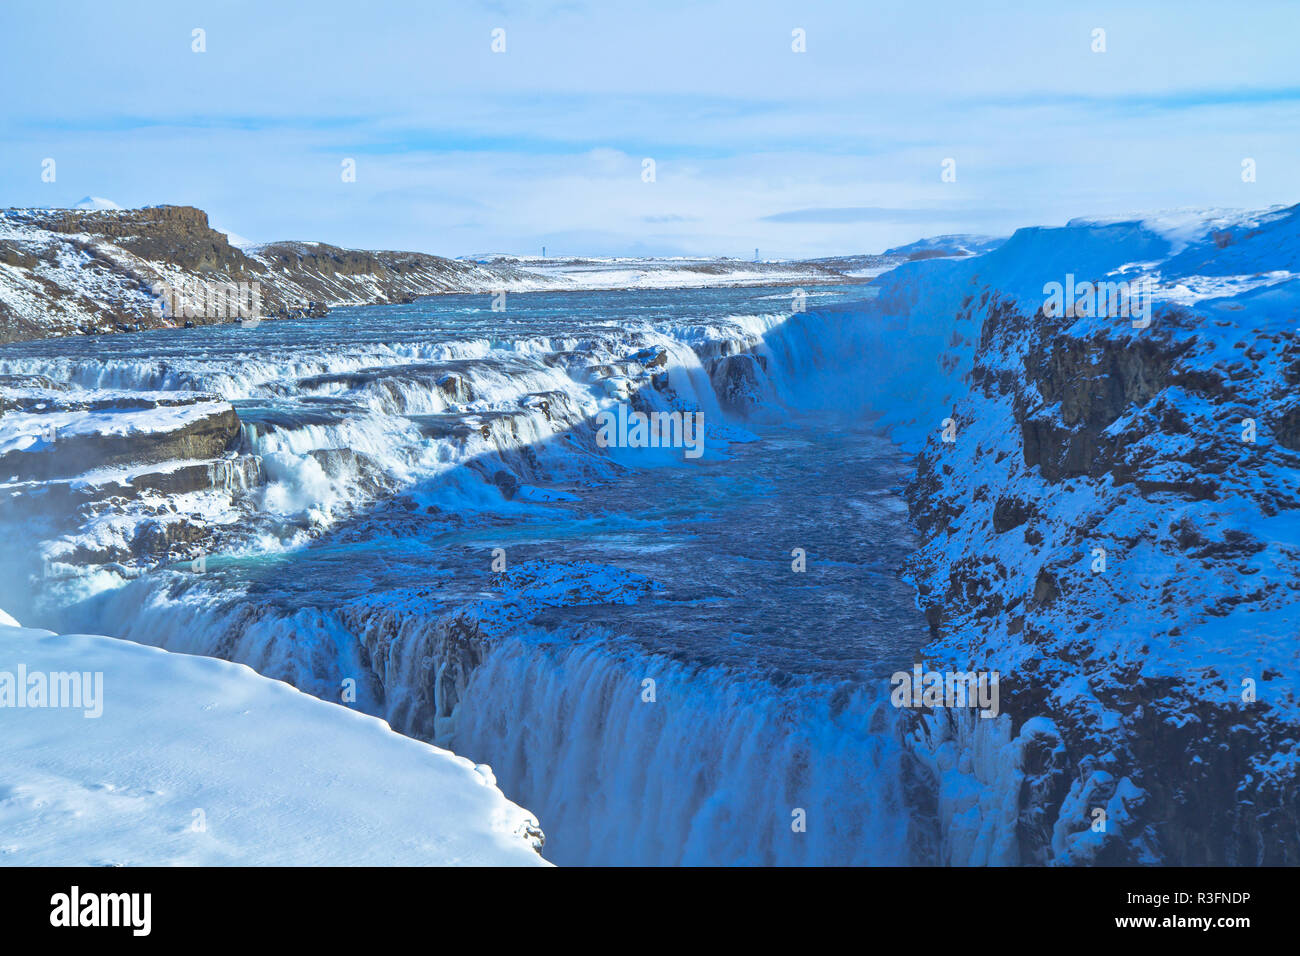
461	150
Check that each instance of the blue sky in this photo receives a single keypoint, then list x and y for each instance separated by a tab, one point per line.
460	150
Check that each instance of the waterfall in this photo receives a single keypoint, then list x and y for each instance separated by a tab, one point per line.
715	766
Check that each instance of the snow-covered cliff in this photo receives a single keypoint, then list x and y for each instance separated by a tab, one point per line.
1114	526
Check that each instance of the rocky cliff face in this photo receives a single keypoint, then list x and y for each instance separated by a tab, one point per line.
65	272
1115	528
106	479
179	235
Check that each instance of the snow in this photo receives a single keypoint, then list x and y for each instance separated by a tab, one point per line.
90	282
97	204
197	761
236	240
30	431
1198	589
599	273
960	243
1181	227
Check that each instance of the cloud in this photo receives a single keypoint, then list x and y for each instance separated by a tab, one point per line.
851	214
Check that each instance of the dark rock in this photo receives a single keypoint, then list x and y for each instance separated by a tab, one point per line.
506	482
205	438
1011	512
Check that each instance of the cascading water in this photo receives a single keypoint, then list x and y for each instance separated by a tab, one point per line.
719	768
667	661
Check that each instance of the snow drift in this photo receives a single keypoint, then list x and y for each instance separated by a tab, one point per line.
196	761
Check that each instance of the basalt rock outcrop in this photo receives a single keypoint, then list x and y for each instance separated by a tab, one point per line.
69	272
103	472
205	434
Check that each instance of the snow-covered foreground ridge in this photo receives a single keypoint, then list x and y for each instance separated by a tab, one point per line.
197	761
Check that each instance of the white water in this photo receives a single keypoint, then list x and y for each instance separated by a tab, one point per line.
726	758
715	769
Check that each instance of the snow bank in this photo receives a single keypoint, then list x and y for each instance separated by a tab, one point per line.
197	761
